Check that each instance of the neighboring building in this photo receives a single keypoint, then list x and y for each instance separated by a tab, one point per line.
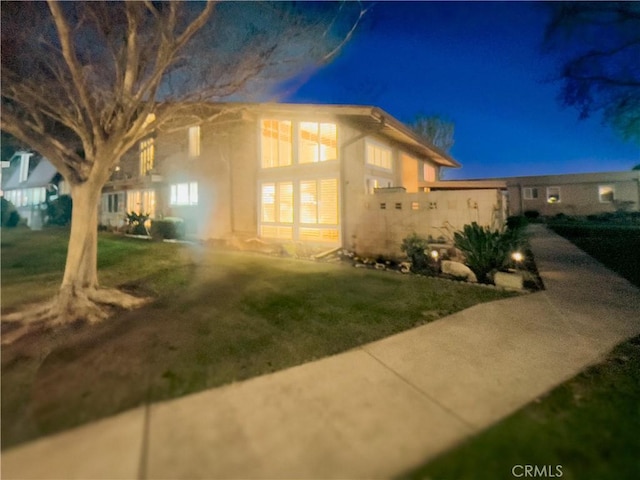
574	194
317	174
29	182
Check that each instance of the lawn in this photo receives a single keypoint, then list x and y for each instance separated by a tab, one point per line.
617	246
589	426
217	317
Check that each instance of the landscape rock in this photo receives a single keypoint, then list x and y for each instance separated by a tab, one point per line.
458	270
509	280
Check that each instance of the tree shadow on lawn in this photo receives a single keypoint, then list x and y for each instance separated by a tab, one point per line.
221	326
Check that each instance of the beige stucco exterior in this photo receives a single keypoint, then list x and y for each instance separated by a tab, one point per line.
230	178
580	194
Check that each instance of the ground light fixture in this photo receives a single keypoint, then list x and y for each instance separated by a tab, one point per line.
434	254
517	257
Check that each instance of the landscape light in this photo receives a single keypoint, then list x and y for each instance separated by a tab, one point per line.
517	256
434	254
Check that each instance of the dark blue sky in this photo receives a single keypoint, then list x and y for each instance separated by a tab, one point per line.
479	64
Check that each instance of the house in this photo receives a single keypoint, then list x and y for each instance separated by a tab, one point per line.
574	194
325	175
29	182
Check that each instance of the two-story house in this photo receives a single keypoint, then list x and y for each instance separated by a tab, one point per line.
279	172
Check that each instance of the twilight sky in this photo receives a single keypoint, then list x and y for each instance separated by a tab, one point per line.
480	65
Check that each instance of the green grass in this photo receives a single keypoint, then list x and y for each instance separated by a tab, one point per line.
589	425
617	246
217	317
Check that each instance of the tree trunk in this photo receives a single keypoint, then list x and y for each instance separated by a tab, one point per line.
80	279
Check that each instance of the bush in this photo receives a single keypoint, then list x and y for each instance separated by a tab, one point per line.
167	228
414	246
59	210
136	222
487	250
531	214
9	216
517	222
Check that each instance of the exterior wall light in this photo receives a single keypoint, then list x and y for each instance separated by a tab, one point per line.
434	254
517	256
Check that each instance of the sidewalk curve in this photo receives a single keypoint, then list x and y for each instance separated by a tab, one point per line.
372	412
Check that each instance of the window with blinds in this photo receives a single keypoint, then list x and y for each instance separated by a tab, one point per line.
276	143
147	155
319	201
184	194
276	208
317	142
379	156
142	201
194	141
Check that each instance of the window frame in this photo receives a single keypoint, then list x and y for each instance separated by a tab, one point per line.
530	191
318	146
380	146
194	141
191	194
550	195
613	193
279	140
147	154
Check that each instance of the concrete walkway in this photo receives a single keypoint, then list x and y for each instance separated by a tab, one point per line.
372	412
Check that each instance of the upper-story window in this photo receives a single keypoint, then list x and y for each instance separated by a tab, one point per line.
379	156
194	141
147	155
429	172
318	142
277	146
24	166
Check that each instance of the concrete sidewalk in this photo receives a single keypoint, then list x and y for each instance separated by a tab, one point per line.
373	412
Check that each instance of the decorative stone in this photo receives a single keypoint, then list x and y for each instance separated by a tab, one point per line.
458	270
509	280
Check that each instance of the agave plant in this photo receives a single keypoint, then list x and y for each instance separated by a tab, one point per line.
485	249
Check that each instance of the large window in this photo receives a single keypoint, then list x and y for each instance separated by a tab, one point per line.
277	146
429	172
194	141
318	142
529	193
276	209
553	194
184	194
147	155
379	156
319	201
606	193
142	201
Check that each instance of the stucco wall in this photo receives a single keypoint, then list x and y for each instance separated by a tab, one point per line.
379	230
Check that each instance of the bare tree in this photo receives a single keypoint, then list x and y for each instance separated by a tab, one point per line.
598	47
84	82
436	129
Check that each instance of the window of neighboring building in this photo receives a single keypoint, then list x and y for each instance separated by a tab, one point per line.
606	193
194	141
147	155
276	208
113	202
317	142
553	194
378	156
415	206
529	193
429	172
184	194
373	183
24	166
142	201
277	146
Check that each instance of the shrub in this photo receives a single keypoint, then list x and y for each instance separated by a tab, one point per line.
136	222
517	222
414	246
487	250
167	228
59	210
532	214
9	216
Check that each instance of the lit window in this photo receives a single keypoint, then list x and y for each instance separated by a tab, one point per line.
184	194
553	194
277	208
142	201
319	201
415	206
606	193
194	141
277	146
24	166
378	156
318	142
147	155
429	172
529	193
